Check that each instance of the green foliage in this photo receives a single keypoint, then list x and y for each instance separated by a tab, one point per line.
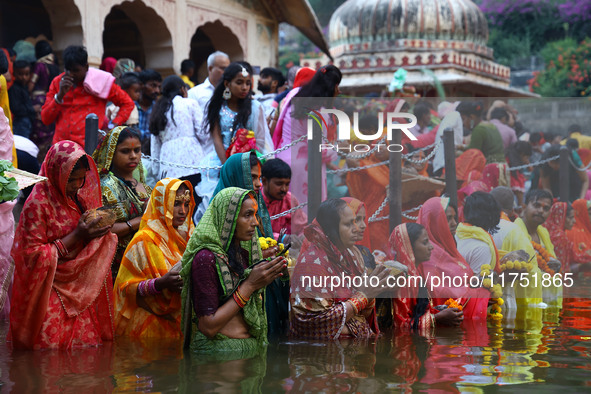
8	186
568	70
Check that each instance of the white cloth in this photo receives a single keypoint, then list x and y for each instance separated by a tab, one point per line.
266	101
476	253
202	94
26	145
182	141
452	120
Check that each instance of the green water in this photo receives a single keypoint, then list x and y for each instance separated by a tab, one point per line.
548	351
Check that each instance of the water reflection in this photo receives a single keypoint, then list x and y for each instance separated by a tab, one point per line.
535	349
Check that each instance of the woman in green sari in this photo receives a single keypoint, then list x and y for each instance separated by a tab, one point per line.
118	160
222	292
244	170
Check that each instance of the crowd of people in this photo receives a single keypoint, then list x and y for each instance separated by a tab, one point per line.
178	225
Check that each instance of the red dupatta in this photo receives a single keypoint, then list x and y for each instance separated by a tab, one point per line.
446	259
404	304
566	250
355	206
81	281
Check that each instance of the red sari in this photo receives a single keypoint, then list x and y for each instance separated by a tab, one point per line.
446	260
318	312
580	234
564	247
59	302
404	304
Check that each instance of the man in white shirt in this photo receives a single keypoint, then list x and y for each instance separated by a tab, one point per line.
216	64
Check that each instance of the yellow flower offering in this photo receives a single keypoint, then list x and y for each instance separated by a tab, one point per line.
509	265
451	303
485	267
486	283
517	265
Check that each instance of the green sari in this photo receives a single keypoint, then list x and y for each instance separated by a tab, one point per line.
125	200
215	232
236	173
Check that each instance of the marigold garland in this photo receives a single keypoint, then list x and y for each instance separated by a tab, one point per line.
543	257
451	303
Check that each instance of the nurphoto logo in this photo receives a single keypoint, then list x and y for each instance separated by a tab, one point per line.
344	129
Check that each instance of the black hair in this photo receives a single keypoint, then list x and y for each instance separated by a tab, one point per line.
369	123
499	113
571	143
20	64
42	48
275	74
553	150
129	132
569	207
322	85
414	231
329	219
253	160
215	104
128	79
11	52
171	87
81	163
3	63
514	153
276	168
470	108
536	137
421	110
573	128
73	56
186	65
246	65
534	195
482	210
150	75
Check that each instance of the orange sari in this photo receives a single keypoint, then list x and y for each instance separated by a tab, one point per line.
61	302
580	234
152	252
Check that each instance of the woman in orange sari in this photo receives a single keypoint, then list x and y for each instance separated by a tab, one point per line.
148	285
439	218
413	307
62	288
560	225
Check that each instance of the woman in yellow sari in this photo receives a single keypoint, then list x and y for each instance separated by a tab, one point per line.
148	286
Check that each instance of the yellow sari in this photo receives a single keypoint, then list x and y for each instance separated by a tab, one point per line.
552	295
152	252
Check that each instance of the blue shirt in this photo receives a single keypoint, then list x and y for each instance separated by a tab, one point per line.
144	124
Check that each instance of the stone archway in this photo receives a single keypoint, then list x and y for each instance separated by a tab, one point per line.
211	37
122	38
57	20
148	37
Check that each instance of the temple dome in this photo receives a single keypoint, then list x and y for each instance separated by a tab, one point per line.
370	26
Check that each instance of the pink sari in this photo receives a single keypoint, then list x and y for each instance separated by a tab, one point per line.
446	260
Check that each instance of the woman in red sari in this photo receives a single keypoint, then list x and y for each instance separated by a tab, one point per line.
439	219
559	224
580	234
62	293
322	312
413	307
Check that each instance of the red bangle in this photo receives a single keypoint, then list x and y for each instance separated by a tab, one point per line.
238	301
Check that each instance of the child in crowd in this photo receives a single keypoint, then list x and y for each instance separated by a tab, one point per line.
21	105
131	84
276	176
